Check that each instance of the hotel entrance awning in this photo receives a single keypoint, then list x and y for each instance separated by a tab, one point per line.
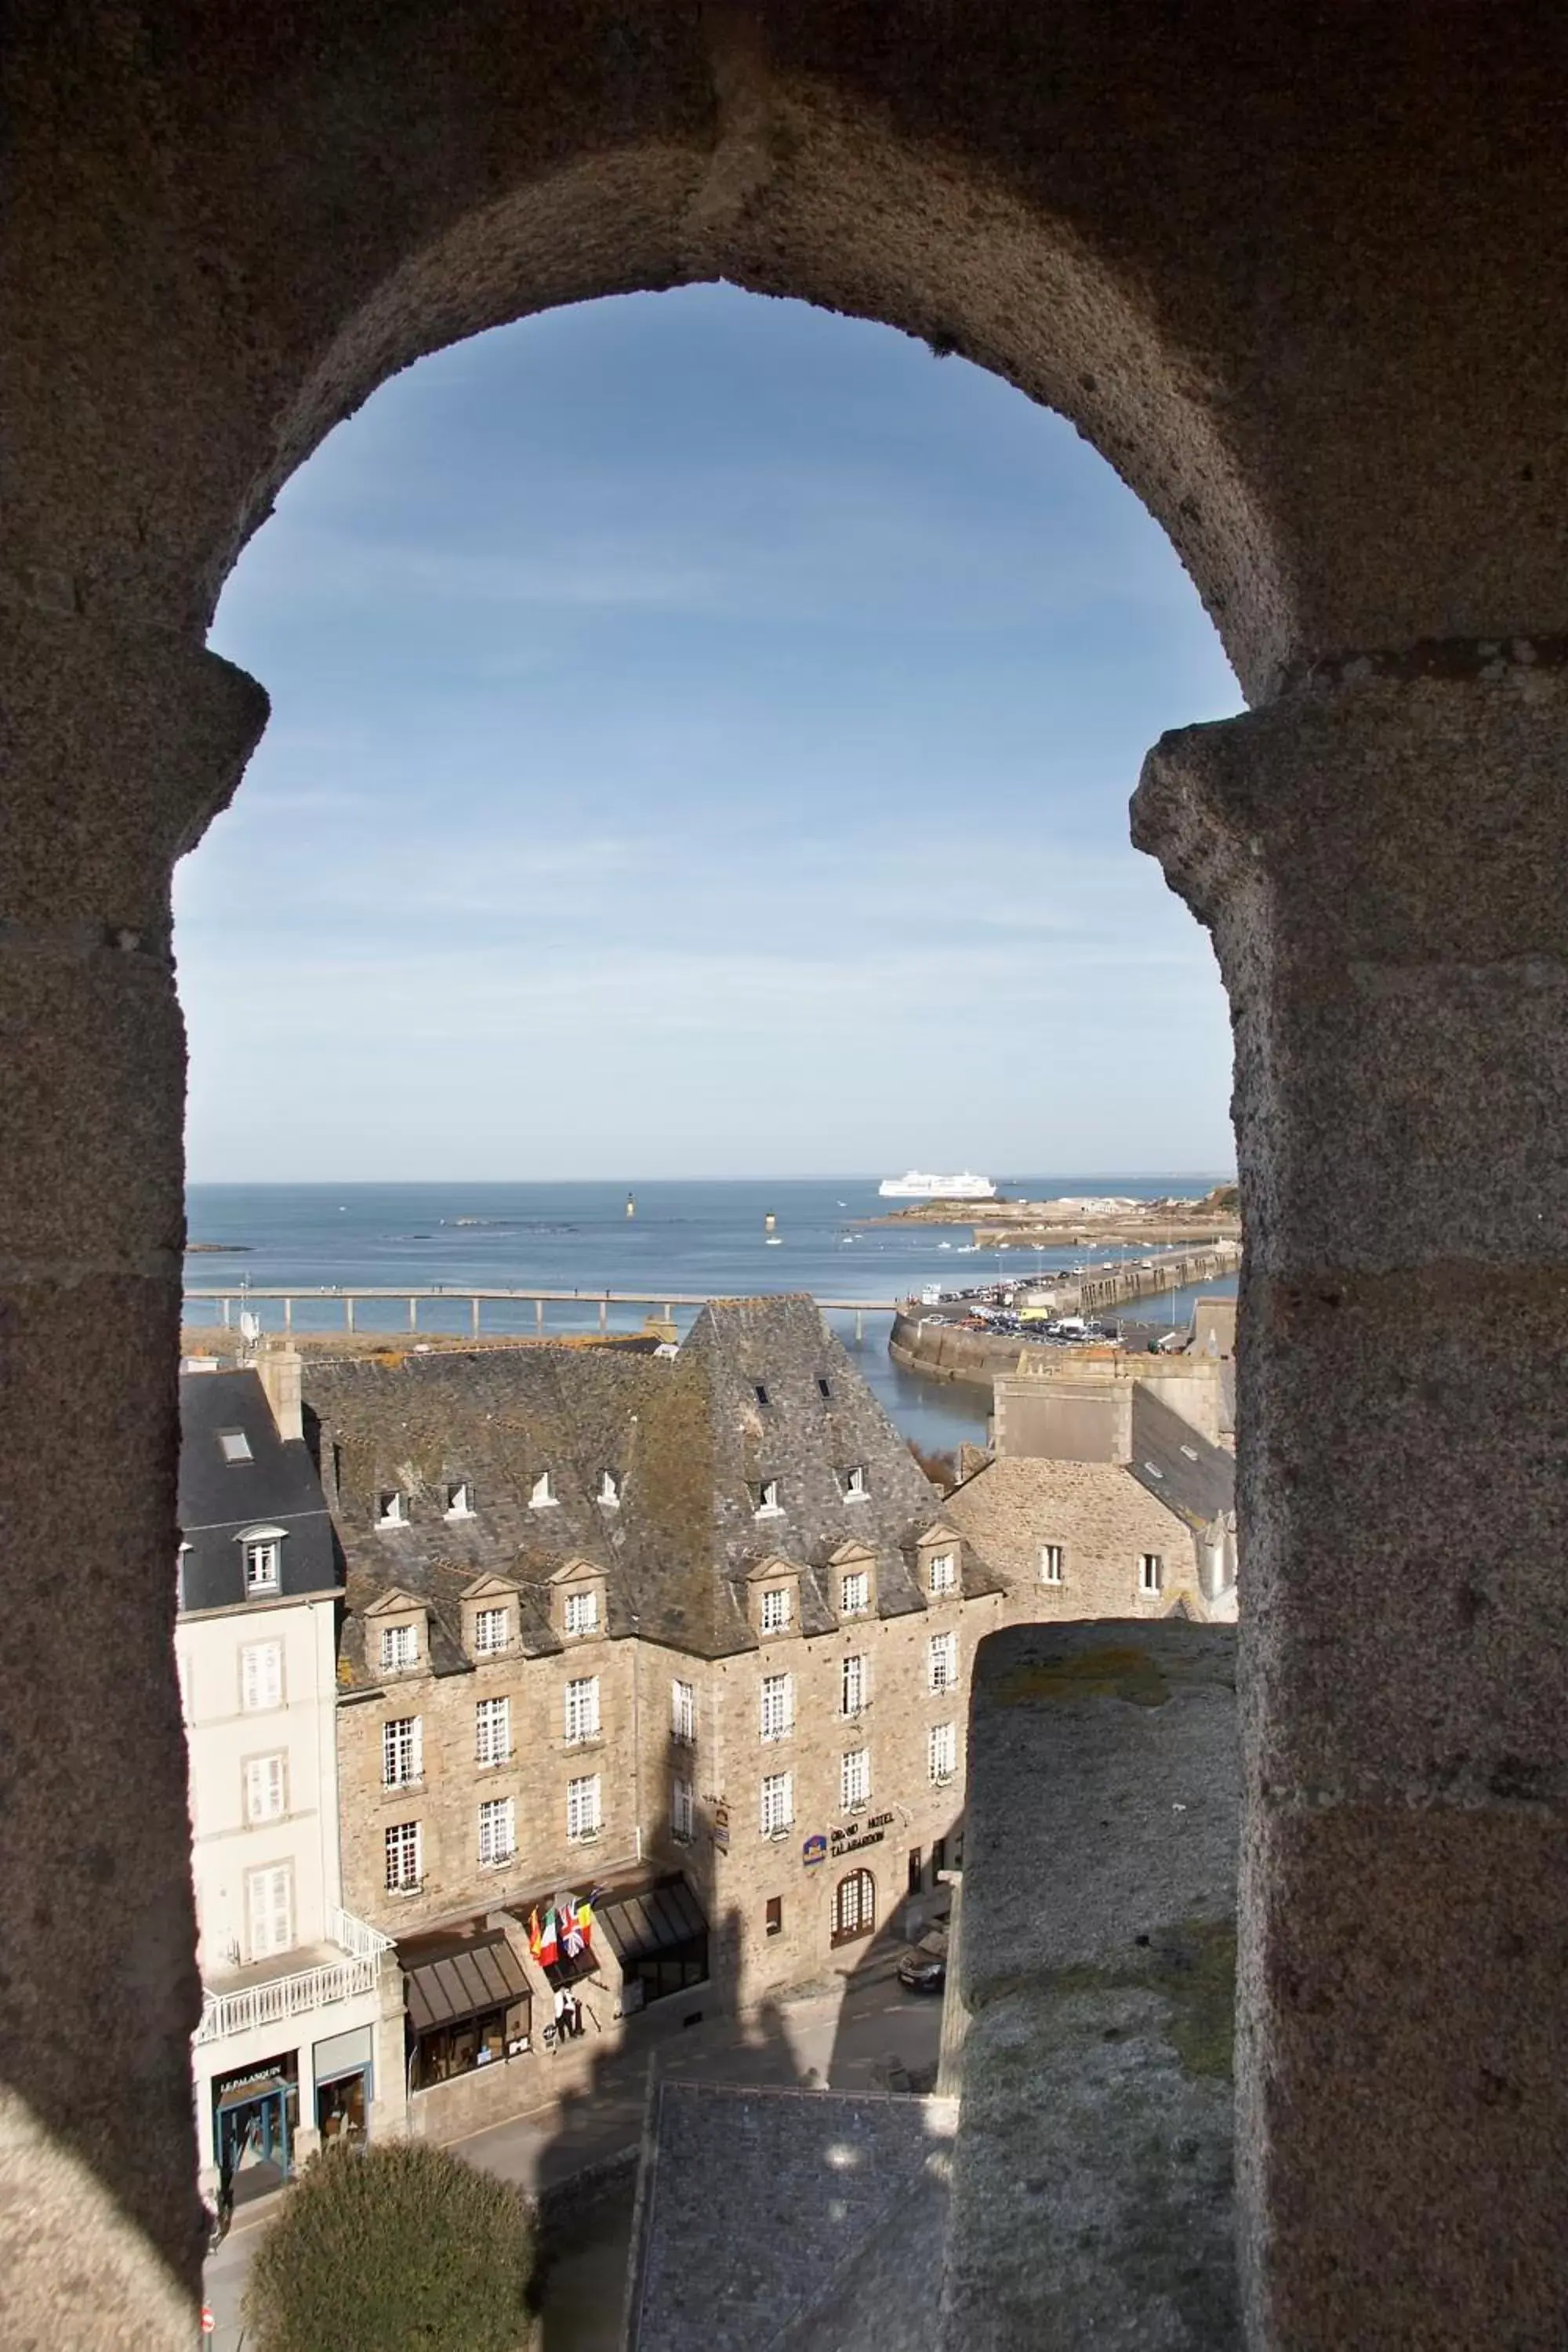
641	1927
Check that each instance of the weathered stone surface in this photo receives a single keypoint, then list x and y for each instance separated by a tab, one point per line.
98	1993
1093	2171
1401	1045
1377	855
1404	2095
1406	1515
118	746
92	1109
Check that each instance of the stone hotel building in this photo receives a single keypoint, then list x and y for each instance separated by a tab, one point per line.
682	1633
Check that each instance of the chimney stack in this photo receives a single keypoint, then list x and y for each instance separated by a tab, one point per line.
280	1368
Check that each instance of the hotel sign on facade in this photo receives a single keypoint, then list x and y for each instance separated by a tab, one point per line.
851	1838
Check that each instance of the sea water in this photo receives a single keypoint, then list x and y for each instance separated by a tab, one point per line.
704	1238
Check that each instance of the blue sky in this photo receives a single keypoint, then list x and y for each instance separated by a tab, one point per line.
701	736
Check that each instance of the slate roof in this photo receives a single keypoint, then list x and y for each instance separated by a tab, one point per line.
275	1486
829	2209
688	1439
1173	1461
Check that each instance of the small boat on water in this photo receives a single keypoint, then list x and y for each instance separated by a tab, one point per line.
914	1185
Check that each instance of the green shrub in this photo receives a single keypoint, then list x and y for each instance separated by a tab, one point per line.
401	2248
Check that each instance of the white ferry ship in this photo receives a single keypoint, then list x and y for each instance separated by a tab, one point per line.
914	1186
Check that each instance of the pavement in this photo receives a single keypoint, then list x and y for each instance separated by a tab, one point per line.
846	2040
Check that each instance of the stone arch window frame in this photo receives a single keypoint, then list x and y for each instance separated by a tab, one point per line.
374	343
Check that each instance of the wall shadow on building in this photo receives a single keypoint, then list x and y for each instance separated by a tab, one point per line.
588	2170
903	1914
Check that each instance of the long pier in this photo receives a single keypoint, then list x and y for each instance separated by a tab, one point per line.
467	1294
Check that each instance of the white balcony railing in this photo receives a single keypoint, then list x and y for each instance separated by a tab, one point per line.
279	1998
364	1943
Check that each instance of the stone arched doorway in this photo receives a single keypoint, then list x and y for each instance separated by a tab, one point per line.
854	1907
1226	249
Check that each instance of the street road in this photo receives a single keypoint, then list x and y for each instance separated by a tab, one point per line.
844	2040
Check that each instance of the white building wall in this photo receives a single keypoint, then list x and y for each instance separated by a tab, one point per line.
223	1736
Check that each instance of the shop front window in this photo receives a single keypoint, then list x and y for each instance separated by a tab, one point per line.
463	2047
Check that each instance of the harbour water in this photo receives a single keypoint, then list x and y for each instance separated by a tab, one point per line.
694	1236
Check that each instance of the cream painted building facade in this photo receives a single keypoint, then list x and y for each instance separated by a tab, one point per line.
300	2035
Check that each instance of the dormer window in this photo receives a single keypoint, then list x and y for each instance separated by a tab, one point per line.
855	1593
582	1612
541	1495
776	1609
399	1646
768	1504
943	1572
609	1490
236	1445
263	1548
492	1631
459	1501
855	1487
393	1510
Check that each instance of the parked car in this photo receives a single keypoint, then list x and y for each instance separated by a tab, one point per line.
922	1971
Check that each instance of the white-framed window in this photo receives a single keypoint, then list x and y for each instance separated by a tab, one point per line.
497	1830
942	1751
683	1714
609	1490
405	1845
584	1818
1151	1571
393	1509
778	1706
852	1685
263	1564
778	1804
682	1812
402	1751
768	1504
760	1393
582	1612
236	1445
823	1389
269	1908
265	1788
855	1487
260	1676
541	1495
459	1499
399	1646
944	1661
855	1592
775	1608
854	1777
1053	1563
943	1572
491	1631
492	1730
582	1709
